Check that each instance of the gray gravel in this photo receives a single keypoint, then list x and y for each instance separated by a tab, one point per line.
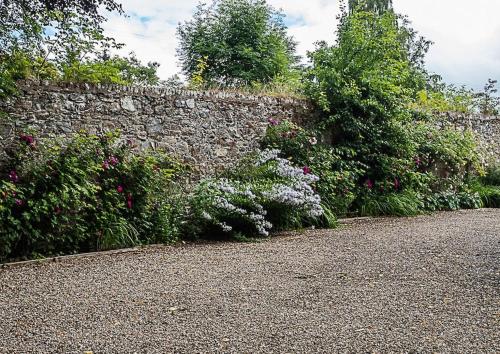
425	284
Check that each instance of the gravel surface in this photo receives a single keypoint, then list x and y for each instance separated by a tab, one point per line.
429	284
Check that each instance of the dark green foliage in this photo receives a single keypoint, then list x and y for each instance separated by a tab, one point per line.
392	204
235	43
85	194
492	176
364	85
490	195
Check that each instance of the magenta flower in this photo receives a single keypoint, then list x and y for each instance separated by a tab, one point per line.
113	161
129	201
119	189
418	161
19	202
272	122
369	184
28	139
397	184
306	169
14	178
105	165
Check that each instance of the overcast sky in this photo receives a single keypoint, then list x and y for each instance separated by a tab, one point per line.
466	33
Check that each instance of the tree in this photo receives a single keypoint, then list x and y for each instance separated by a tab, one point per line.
63	40
237	42
487	102
42	26
364	84
377	6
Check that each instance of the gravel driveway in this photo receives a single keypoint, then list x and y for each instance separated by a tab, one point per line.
422	285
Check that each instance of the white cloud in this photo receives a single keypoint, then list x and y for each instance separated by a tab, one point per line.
466	49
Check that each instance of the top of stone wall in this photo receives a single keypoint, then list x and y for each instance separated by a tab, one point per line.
71	87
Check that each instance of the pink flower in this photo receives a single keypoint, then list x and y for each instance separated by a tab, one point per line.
369	184
119	189
105	165
14	178
19	202
272	122
129	201
28	139
307	170
113	161
418	161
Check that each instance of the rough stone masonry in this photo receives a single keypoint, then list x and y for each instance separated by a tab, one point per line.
208	129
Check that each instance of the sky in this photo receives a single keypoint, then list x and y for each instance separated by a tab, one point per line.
466	34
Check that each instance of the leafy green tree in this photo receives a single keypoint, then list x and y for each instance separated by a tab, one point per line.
378	6
50	27
114	70
364	84
63	40
487	102
239	42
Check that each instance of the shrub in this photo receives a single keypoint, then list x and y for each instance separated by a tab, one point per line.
394	204
492	176
264	192
338	174
88	193
490	195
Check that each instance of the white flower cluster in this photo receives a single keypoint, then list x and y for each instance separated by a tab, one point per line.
229	200
297	192
226	190
267	155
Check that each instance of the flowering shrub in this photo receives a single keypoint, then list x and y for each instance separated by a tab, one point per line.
89	193
264	193
338	175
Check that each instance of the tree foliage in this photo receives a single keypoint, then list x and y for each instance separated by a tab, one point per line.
63	40
377	6
364	85
239	42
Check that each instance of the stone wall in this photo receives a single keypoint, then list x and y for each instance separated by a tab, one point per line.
209	130
487	128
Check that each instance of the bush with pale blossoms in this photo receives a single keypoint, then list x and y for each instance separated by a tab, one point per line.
264	193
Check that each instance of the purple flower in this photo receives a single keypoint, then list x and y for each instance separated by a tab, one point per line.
119	189
14	178
272	121
307	170
369	184
418	161
397	184
113	161
19	202
105	165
